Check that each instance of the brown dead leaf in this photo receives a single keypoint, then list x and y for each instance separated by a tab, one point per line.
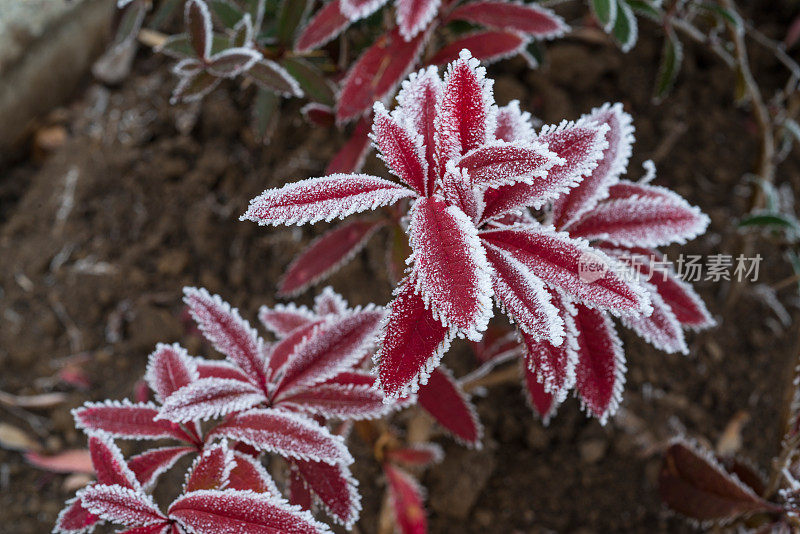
15	439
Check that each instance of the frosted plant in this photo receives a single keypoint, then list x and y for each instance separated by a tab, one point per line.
264	398
464	184
627	220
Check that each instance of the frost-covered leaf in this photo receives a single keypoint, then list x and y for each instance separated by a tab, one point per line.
331	348
600	373
408	500
531	19
340	401
543	403
450	266
149	465
285	348
329	302
282	319
233	61
524	297
641	215
417	102
123	506
444	399
327	198
127	420
209	398
169	368
280	432
327	23
220	369
334	486
465	114
416	455
327	254
351	157
626	29
377	72
249	474
211	469
215	511
606	12
513	124
414	15
312	81
358	9
661	328
75	519
227	331
671	59
499	163
402	150
318	114
198	24
594	187
579	147
271	76
109	464
488	46
693	483
560	262
193	87
412	343
457	190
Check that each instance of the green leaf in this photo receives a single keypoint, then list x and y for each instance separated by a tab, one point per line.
310	79
606	12
771	220
162	15
265	112
671	58
625	29
179	47
130	23
643	7
226	12
290	16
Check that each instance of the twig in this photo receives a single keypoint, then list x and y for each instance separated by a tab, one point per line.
504	375
775	47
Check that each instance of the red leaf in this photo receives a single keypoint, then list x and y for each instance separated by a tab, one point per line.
488	46
227	331
327	254
402	150
249	474
444	399
524	297
211	469
327	198
600	374
71	461
643	216
220	369
286	347
299	492
329	302
414	15
417	455
456	187
352	155
290	435
339	401
75	519
554	366
283	319
684	302
593	188
326	24
120	505
579	145
214	511
331	348
377	72
560	262
127	420
169	368
109	465
407	498
514	124
450	266
464	118
209	398
544	404
534	20
661	328
318	114
358	9
417	100
413	342
149	465
499	163
198	24
335	487
694	484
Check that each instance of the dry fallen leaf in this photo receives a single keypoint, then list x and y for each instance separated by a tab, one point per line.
71	461
15	439
44	400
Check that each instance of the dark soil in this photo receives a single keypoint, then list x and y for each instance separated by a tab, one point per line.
157	194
